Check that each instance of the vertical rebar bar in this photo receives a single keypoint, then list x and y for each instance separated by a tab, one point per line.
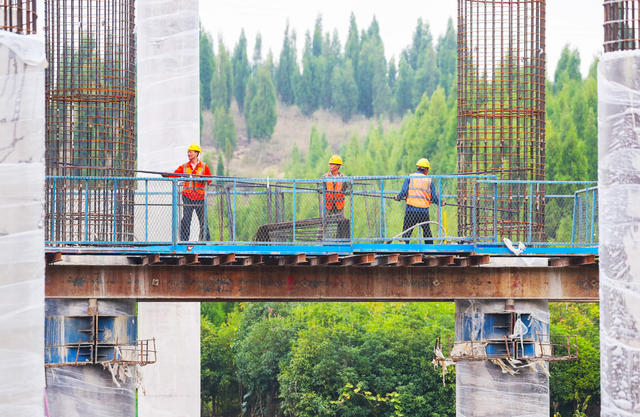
501	112
621	25
18	16
90	116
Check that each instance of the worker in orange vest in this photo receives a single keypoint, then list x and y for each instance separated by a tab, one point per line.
334	195
193	194
419	191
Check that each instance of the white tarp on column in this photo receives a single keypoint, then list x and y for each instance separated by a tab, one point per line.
22	64
619	218
168	121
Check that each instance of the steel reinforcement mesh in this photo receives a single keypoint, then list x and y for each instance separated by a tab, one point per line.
501	113
621	25
18	16
90	117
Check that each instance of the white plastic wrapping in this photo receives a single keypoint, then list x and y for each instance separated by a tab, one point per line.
168	121
485	389
21	225
619	214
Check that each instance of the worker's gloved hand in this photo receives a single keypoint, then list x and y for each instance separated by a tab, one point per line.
397	198
444	203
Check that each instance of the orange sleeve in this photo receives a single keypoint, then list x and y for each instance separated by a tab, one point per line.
207	172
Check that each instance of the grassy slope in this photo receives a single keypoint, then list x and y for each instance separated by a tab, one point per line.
255	159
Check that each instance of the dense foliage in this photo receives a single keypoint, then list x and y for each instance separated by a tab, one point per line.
372	359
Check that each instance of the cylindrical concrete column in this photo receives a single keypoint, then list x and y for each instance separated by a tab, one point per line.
168	121
21	227
619	217
482	388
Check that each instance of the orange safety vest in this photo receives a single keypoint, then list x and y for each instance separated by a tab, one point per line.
334	199
419	191
192	189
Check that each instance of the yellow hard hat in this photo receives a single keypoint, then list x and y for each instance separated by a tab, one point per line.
423	163
335	159
194	147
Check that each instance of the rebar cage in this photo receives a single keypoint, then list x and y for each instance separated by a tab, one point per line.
18	16
501	113
621	25
90	116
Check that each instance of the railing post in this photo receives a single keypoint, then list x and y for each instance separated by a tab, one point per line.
440	210
115	207
351	215
86	210
473	213
530	234
573	221
235	199
294	211
53	210
495	211
594	200
174	212
382	217
146	210
586	211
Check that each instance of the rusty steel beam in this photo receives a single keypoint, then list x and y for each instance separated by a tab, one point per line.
320	283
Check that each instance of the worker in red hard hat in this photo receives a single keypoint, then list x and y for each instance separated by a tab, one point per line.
193	194
334	195
420	192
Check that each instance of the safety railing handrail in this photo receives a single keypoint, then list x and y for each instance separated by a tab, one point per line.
375	197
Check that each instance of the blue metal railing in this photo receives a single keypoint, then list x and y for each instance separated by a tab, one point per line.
257	211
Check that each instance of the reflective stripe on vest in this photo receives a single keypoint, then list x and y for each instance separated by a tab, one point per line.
192	189
419	191
334	200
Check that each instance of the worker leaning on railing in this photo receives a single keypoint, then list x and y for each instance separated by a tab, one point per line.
193	193
419	191
334	195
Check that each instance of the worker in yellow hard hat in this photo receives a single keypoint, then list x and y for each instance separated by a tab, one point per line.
193	193
419	191
334	195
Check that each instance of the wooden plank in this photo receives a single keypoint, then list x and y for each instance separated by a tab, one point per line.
386	259
572	261
365	258
292	259
439	260
249	260
51	258
192	259
479	259
226	259
407	260
461	261
152	259
332	258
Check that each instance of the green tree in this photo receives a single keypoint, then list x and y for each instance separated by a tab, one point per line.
257	50
344	91
224	131
241	70
287	68
446	57
206	68
222	80
260	106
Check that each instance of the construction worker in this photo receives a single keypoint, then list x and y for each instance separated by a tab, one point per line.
334	195
420	192
193	194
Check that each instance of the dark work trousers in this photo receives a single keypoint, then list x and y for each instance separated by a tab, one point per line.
188	207
411	218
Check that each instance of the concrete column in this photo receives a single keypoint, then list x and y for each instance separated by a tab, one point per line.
619	218
168	121
482	389
21	225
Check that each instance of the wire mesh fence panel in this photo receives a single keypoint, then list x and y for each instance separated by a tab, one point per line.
154	211
585	217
